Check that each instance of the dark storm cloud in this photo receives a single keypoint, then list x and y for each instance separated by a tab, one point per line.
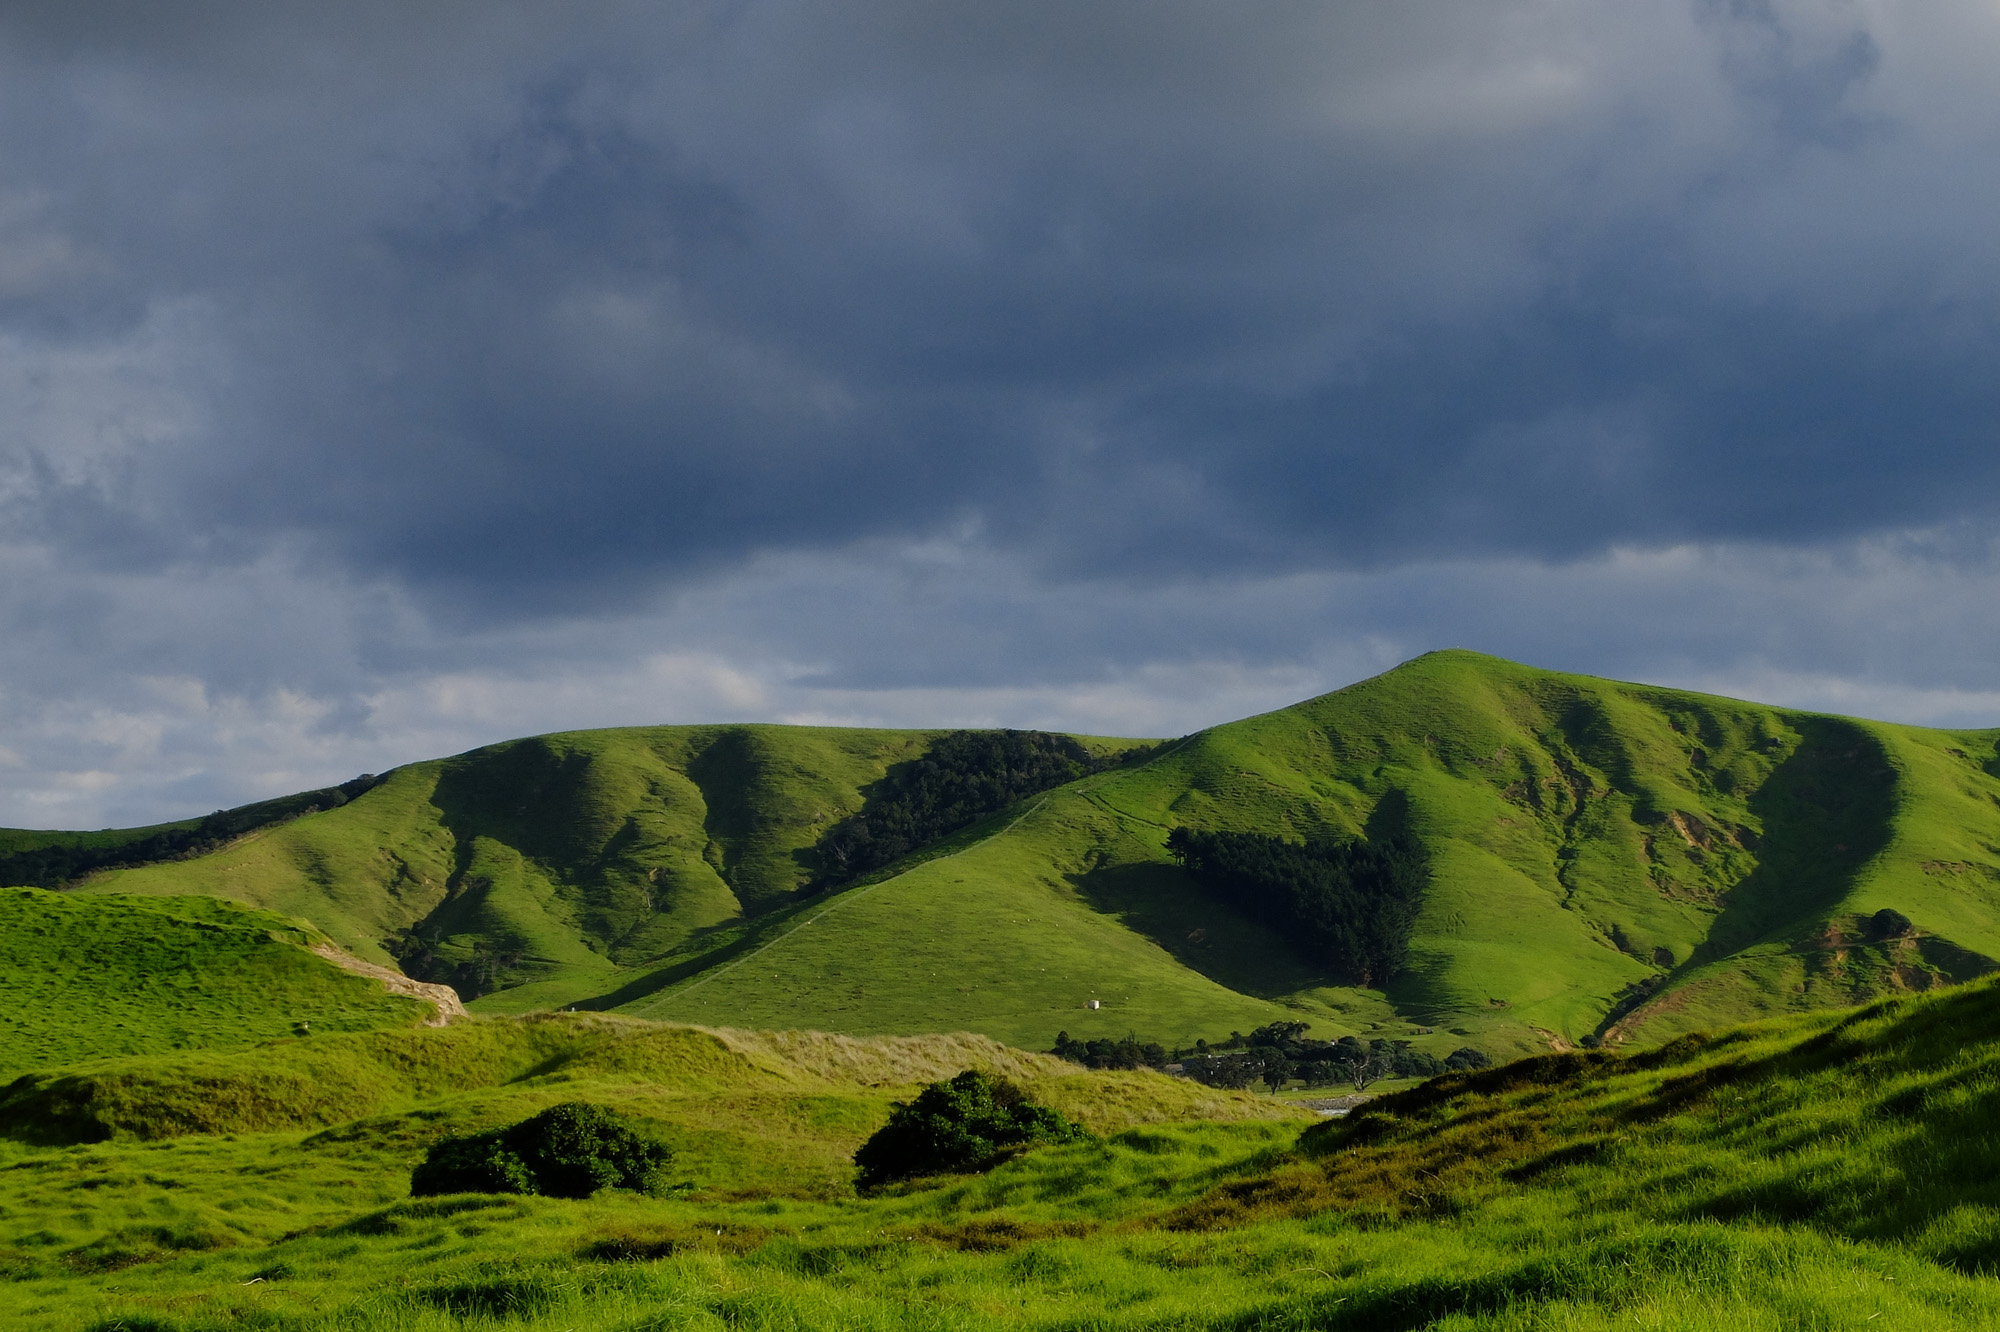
520	307
381	379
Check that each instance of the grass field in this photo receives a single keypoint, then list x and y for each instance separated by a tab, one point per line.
84	977
1822	1171
1610	862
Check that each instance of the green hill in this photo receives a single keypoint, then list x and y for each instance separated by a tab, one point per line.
91	977
1607	862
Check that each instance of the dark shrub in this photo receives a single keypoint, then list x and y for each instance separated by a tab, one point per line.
567	1151
1465	1059
1889	923
971	1123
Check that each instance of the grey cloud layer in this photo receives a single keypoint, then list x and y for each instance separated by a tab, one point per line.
518	307
377	378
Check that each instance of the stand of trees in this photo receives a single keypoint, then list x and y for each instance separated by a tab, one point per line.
1274	1055
964	777
1351	903
1126	1053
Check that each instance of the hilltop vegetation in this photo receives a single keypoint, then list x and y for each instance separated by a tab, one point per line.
1602	862
55	859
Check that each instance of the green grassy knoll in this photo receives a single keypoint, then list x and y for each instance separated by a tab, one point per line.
1823	1171
1608	861
99	976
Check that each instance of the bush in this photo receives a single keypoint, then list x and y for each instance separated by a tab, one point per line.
1889	923
567	1151
970	1123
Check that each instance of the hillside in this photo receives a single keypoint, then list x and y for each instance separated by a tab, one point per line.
92	977
1826	1170
1607	861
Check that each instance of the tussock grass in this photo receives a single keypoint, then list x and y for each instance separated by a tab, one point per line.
886	1061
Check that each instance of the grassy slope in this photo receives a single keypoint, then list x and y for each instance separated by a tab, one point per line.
578	852
129	975
1586	837
1817	1171
1589	839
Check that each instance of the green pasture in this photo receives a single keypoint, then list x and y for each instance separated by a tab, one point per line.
104	976
1822	1171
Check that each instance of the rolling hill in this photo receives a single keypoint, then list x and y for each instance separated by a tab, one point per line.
95	977
1608	862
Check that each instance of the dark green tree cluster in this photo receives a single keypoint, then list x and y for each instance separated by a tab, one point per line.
59	863
472	969
1274	1054
963	777
1351	904
970	1123
1106	1053
567	1151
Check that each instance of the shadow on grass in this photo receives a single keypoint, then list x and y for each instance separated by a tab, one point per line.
1166	906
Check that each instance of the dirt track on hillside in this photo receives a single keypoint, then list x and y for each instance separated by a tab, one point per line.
442	998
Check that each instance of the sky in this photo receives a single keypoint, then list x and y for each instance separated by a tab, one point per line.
380	380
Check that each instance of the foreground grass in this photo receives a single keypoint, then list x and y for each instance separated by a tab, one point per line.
1830	1171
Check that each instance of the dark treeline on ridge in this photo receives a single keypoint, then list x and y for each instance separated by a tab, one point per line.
59	859
965	776
1350	904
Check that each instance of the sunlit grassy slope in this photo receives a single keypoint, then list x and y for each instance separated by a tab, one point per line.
1608	861
562	857
96	976
1606	858
1824	1171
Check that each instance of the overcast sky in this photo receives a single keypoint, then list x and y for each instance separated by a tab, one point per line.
378	380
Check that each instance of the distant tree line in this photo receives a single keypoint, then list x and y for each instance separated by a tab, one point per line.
962	778
56	865
1126	1053
1275	1055
1351	904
